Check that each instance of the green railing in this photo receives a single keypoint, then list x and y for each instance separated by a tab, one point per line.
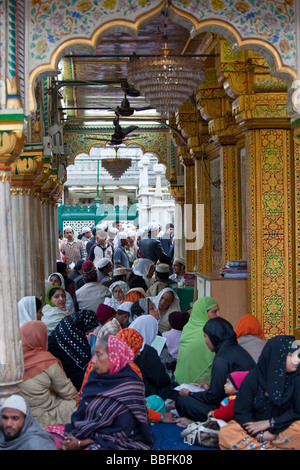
79	216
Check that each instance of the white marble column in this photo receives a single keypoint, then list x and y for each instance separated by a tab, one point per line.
11	354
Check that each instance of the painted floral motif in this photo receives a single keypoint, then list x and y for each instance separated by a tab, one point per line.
55	21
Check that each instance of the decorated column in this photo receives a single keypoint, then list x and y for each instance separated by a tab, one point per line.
11	356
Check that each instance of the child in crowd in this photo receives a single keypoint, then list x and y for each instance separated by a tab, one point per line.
177	320
231	387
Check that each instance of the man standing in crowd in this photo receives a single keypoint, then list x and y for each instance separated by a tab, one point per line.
151	247
102	249
71	248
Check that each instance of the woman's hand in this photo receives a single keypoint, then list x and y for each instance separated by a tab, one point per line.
257	426
184	392
70	443
203	385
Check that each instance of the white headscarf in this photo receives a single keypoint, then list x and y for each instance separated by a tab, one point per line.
147	326
175	306
142	269
26	309
111	301
69	300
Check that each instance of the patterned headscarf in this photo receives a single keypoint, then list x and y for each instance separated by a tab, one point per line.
132	338
119	354
71	332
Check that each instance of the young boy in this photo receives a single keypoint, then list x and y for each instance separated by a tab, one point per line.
231	387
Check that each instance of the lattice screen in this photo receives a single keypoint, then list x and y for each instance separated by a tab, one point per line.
77	225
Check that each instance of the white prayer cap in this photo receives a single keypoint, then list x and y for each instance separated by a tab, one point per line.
16	402
86	230
112	232
152	227
122	235
180	260
103	262
125	306
102	226
162	268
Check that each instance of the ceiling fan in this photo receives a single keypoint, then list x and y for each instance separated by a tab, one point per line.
120	134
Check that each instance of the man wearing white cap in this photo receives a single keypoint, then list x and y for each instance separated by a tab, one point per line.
87	234
121	258
105	267
178	269
162	280
102	249
151	248
19	430
71	248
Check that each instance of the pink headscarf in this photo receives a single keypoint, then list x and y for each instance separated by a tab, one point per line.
119	354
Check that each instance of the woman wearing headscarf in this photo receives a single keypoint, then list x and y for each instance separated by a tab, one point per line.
54	309
57	279
229	357
118	291
112	414
155	377
29	308
267	407
250	335
166	301
70	345
143	307
134	294
194	360
142	273
48	391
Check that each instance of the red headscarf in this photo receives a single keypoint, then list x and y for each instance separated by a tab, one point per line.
249	325
35	348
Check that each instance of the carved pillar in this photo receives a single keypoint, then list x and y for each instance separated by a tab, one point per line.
177	191
27	224
11	356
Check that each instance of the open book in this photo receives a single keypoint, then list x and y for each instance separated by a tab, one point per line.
190	387
158	344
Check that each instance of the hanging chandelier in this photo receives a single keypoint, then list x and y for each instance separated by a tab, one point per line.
116	167
165	81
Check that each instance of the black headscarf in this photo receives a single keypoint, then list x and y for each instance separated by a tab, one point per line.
220	333
271	369
71	332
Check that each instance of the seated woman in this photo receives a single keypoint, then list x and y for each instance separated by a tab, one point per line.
267	407
194	360
134	294
229	357
142	272
69	344
54	309
29	308
143	307
250	335
48	391
155	377
118	291
110	416
166	301
57	279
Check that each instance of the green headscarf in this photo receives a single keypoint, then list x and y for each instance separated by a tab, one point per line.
47	298
194	357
